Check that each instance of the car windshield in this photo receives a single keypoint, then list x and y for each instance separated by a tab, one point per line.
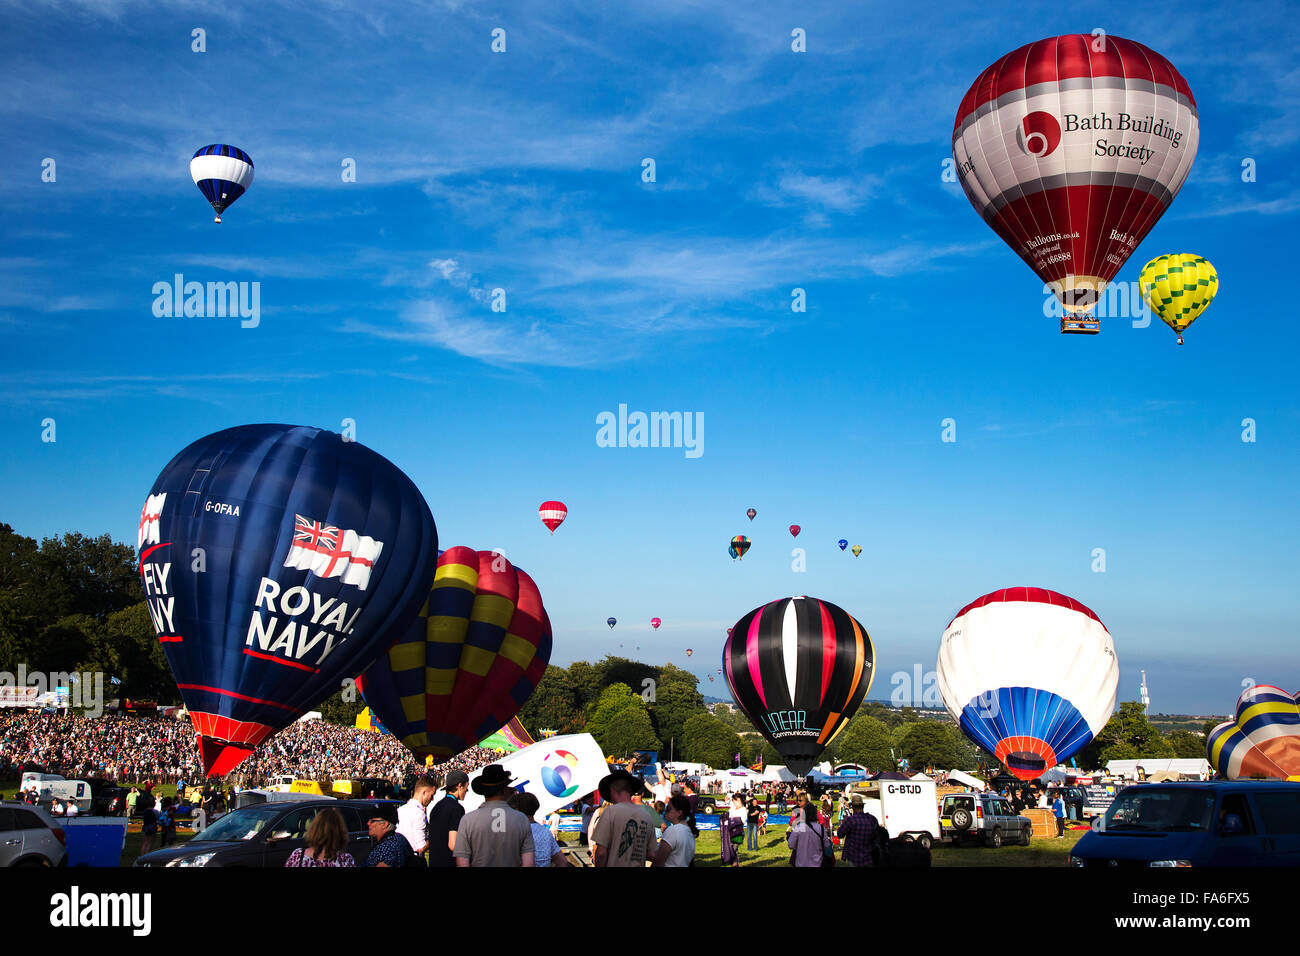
952	803
241	824
1161	808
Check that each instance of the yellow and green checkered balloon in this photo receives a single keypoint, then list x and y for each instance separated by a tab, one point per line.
1178	288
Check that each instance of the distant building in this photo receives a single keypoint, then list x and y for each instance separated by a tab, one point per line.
1144	695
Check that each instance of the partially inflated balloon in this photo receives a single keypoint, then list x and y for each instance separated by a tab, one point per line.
799	668
794	530
1031	676
857	550
751	513
276	561
1264	738
611	622
1071	148
1178	289
552	514
740	544
467	664
843	543
655	622
222	174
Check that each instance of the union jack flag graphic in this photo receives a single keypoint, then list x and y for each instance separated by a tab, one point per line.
329	552
149	515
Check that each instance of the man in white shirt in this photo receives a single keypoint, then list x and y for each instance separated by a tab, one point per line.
412	816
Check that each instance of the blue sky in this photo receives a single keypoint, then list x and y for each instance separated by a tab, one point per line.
775	171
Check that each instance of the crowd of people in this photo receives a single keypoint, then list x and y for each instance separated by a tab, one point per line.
135	748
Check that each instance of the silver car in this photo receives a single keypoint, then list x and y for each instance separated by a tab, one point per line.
985	817
29	836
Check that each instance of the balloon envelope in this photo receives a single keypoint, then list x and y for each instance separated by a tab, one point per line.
1263	740
857	550
843	543
552	514
794	530
740	544
655	622
1030	675
798	667
222	174
463	668
316	554
611	622
689	652
751	513
1178	289
1071	149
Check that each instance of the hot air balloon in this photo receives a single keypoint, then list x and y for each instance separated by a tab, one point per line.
1262	741
843	543
732	551
655	622
611	622
751	514
1178	289
794	530
689	652
710	678
799	667
729	630
553	514
1071	148
740	544
1030	675
222	174
317	554
471	659
857	550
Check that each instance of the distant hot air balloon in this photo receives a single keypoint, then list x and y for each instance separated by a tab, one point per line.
794	530
553	514
655	622
689	652
843	543
1031	676
317	555
1262	741
467	664
1178	289
740	544
719	670
750	514
710	678
611	622
857	550
799	667
732	551
1071	149
222	174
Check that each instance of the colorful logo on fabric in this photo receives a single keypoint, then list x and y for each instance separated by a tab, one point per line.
558	770
1039	134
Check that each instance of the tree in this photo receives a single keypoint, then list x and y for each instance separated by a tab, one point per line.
629	730
552	705
613	700
929	743
1187	744
676	700
1129	735
336	710
587	680
866	741
709	741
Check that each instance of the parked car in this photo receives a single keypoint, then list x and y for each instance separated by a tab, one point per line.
982	817
265	834
1228	823
29	836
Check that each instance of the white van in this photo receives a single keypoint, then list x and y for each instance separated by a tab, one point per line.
34	779
905	808
65	791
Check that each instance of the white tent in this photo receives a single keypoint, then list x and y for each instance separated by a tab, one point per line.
957	776
777	773
1196	769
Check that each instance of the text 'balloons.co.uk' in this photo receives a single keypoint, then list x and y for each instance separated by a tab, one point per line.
277	560
1071	148
798	667
469	662
1030	675
1263	740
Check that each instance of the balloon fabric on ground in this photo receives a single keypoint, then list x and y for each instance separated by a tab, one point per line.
1031	676
1263	740
315	554
470	660
798	668
1041	150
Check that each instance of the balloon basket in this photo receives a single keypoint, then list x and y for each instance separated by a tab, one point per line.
1080	326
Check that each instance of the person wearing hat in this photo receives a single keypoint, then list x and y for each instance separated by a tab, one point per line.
857	834
391	848
495	834
444	819
624	834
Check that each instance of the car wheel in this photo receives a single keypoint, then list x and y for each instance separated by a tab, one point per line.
960	819
924	840
1024	836
36	862
995	839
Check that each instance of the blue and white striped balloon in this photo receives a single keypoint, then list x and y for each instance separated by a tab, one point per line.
222	174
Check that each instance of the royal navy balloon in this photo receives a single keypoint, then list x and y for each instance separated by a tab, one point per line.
799	668
277	560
